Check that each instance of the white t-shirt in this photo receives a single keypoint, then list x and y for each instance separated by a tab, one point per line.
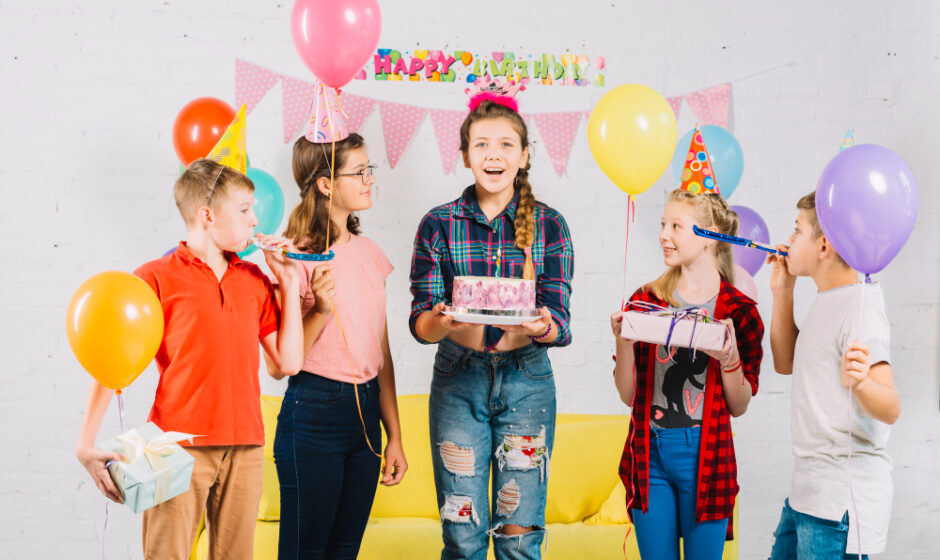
820	418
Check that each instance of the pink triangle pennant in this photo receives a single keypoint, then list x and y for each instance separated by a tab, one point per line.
356	108
557	130
399	124
252	83
675	103
447	131
711	105
296	98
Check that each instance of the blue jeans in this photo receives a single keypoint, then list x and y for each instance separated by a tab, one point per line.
327	473
670	514
491	409
804	537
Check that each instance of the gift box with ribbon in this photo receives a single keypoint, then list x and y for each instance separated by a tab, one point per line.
687	328
155	468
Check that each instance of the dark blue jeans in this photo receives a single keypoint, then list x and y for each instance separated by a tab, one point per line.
327	473
804	537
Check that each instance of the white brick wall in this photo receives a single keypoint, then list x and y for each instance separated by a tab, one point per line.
90	90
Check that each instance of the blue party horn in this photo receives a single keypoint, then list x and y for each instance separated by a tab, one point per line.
296	256
736	240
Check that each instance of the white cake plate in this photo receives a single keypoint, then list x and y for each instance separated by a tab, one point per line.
491	316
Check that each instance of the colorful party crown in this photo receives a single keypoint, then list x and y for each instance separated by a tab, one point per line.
230	149
849	140
697	175
496	91
327	119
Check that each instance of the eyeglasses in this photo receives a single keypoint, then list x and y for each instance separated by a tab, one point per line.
366	173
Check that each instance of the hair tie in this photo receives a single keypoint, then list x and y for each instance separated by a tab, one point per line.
528	251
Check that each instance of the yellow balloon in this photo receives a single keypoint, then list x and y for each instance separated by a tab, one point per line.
114	325
632	134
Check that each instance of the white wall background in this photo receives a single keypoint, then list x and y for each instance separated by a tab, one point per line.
90	91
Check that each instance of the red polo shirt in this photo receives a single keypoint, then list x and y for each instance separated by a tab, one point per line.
209	357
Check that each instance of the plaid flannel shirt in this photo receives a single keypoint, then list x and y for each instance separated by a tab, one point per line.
455	239
717	484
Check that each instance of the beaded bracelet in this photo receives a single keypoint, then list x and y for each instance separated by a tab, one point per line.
544	334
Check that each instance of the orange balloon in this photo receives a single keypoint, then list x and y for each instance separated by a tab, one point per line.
115	326
198	126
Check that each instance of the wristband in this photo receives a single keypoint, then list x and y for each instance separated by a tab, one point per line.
544	334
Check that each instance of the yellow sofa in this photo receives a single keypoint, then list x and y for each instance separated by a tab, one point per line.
586	513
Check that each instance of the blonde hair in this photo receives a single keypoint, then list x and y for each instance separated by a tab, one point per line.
306	226
205	183
808	204
525	211
711	212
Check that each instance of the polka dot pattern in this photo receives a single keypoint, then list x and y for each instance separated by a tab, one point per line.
399	124
697	176
711	105
297	104
447	132
557	131
675	103
356	108
252	83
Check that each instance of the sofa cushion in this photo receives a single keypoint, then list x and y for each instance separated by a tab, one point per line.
584	465
270	507
415	495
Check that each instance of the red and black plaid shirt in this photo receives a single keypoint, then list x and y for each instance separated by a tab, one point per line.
717	484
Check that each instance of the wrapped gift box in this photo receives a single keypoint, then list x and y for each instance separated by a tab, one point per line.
653	327
155	468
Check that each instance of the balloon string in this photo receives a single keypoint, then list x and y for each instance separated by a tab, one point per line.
120	400
352	365
858	336
631	216
104	529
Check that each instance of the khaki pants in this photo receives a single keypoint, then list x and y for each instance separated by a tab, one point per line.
226	485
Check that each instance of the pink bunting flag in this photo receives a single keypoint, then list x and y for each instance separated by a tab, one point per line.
296	98
447	132
399	124
712	105
252	83
357	108
557	130
675	103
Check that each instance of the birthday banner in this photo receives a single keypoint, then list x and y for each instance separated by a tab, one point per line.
400	121
438	66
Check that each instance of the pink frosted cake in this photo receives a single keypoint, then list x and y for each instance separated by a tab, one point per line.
493	294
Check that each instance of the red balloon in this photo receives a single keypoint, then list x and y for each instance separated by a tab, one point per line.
335	38
198	126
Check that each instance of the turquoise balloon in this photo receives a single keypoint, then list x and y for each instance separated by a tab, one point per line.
269	204
724	151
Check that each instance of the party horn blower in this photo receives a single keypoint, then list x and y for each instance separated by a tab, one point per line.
736	240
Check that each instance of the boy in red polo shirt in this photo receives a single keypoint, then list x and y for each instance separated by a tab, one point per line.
216	308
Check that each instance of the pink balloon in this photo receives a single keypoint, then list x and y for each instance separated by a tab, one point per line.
745	282
335	38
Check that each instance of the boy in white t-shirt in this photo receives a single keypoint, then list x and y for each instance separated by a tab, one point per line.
837	346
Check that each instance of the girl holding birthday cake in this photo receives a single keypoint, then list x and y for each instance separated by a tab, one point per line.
501	258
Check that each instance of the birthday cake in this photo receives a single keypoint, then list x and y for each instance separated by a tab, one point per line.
493	294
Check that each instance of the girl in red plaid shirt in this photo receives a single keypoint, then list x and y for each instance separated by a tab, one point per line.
678	463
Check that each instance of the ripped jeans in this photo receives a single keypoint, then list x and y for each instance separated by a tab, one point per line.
491	409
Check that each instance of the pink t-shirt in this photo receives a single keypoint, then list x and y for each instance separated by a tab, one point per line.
359	271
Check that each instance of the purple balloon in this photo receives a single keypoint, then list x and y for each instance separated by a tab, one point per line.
866	201
750	226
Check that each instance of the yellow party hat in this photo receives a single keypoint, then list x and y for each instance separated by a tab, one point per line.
230	149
